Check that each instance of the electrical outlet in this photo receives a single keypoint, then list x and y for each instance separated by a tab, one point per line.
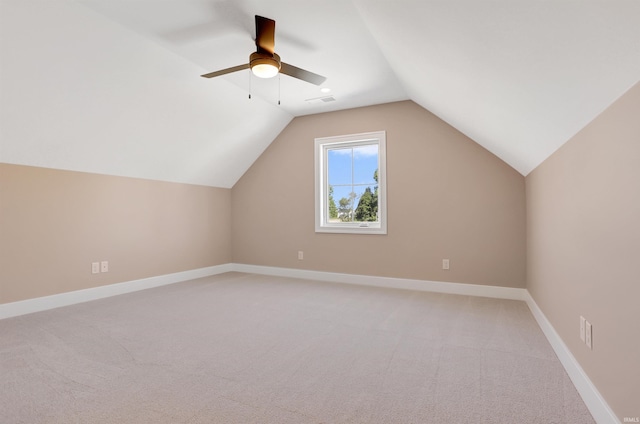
582	330
300	255
588	334
95	267
445	264
104	266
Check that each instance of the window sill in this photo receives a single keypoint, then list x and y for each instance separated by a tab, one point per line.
352	229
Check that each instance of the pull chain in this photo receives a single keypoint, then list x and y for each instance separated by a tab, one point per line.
278	88
250	83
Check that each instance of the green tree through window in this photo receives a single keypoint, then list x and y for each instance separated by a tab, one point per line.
333	209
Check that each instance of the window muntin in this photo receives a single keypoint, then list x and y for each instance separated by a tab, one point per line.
350	183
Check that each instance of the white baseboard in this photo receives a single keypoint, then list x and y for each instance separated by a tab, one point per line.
596	404
388	282
8	310
38	304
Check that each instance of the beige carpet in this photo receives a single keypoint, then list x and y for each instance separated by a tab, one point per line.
238	348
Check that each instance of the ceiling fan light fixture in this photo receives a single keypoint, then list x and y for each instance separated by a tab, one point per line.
264	65
264	70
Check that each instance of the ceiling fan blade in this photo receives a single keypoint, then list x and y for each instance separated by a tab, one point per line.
265	34
301	74
226	71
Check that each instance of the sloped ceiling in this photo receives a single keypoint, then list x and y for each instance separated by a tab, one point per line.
113	86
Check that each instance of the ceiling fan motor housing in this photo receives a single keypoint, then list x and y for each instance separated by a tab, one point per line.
265	65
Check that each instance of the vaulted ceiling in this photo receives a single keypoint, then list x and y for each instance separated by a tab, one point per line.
114	86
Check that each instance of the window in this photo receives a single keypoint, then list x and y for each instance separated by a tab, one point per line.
351	184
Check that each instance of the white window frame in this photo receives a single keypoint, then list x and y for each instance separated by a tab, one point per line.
322	145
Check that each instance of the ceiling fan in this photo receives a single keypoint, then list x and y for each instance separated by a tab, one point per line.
264	62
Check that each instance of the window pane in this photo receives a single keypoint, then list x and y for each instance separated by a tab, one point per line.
343	201
365	164
366	204
339	166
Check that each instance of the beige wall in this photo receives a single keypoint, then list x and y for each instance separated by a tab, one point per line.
54	223
583	248
447	198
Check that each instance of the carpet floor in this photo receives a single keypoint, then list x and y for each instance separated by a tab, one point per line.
241	348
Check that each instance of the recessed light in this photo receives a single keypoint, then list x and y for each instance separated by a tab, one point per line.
325	90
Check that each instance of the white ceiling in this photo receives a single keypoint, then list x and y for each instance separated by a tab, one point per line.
113	86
